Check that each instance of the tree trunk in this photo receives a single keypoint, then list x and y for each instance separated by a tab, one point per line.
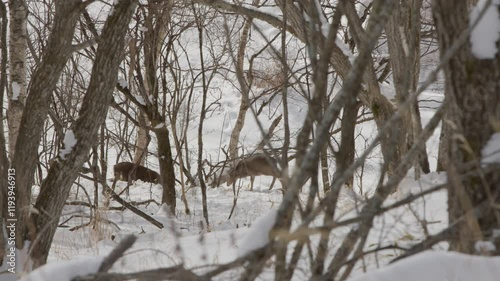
393	144
166	167
156	20
245	103
235	134
42	85
345	156
471	91
141	143
442	161
18	11
403	37
55	188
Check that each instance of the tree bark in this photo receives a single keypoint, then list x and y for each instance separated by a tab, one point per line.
18	11
471	91
403	37
43	83
442	161
166	167
245	102
141	142
55	188
345	156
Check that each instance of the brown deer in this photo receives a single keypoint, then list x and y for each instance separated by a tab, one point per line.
252	166
127	171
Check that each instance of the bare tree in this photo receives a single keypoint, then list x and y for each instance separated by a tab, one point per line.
472	94
244	86
55	188
403	37
42	84
39	227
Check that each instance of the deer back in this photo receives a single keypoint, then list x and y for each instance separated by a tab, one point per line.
125	171
256	165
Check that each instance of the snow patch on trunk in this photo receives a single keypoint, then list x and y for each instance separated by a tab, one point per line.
487	32
69	143
491	151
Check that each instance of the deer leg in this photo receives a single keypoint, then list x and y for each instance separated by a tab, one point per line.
127	189
252	179
272	183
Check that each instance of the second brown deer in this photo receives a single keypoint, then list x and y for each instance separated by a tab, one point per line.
252	166
127	171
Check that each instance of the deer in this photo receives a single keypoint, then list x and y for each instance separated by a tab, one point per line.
127	171
251	166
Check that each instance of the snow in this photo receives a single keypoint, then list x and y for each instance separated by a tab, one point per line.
16	90
64	270
437	266
345	49
484	246
68	144
258	235
487	32
123	83
139	99
160	125
491	151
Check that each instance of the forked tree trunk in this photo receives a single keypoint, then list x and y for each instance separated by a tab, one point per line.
18	11
245	102
156	20
55	188
42	85
403	37
393	142
472	87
